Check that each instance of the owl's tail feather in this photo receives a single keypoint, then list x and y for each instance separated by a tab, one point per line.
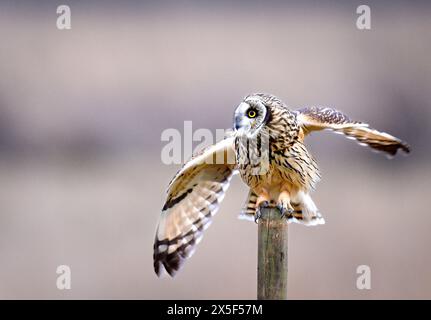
306	212
249	208
312	219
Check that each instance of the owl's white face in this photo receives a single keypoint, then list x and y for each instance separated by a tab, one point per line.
250	116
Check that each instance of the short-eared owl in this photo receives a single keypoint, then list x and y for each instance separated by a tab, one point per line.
267	148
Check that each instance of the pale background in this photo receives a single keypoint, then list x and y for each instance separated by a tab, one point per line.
82	111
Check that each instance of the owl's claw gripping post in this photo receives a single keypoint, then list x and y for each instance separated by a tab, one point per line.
262	201
284	204
285	209
258	214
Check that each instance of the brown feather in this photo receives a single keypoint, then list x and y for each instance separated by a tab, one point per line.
317	118
193	198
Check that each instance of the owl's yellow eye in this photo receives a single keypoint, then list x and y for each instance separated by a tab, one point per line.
251	113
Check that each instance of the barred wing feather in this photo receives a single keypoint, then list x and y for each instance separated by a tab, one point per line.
194	196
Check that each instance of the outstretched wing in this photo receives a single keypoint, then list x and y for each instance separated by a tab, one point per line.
316	118
193	198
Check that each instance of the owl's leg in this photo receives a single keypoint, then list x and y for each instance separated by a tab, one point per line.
283	203
262	201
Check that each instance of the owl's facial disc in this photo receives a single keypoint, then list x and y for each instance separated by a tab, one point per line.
249	117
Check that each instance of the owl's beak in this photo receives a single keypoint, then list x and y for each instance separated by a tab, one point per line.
240	123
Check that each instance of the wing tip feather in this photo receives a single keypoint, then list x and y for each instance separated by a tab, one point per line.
164	262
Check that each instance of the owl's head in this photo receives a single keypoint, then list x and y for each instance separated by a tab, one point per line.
254	112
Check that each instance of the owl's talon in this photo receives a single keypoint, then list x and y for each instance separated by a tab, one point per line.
264	204
283	210
258	215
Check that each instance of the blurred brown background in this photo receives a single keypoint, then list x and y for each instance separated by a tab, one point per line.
82	111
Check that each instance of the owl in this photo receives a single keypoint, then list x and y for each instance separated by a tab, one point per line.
266	147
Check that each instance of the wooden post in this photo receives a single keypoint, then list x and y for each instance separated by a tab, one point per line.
272	256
